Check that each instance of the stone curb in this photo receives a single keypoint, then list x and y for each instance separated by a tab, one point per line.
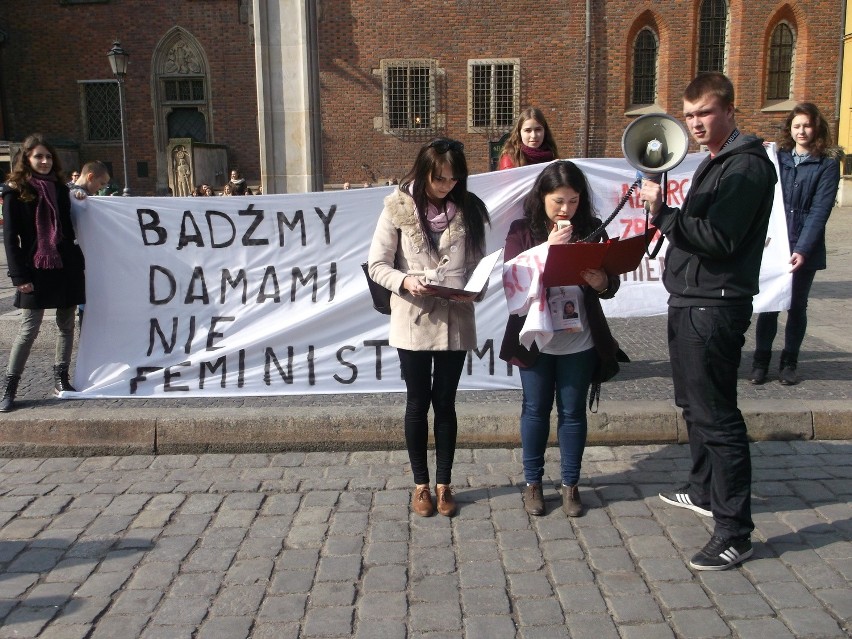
104	431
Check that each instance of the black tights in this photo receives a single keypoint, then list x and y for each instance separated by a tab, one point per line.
437	389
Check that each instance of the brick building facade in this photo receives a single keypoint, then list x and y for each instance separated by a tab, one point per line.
50	50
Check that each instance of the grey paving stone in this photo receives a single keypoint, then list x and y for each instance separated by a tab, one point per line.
760	628
375	606
119	626
384	579
810	622
225	628
659	569
434	617
346	568
539	612
153	575
485	601
611	559
788	595
24	621
742	606
570	572
283	608
435	589
698	624
249	571
627	609
530	584
492	627
237	601
621	583
676	595
386	552
178	611
65	632
329	622
581	599
333	594
381	629
647	631
486	574
132	602
590	626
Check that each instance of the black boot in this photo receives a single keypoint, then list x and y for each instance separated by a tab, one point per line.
759	366
60	379
787	372
8	401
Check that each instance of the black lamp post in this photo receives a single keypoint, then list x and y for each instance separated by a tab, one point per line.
118	61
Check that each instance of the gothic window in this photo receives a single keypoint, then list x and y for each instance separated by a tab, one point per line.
644	68
493	94
780	72
712	35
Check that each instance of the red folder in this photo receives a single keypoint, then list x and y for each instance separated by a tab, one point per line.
565	262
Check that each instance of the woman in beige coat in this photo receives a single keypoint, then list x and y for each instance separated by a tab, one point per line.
431	231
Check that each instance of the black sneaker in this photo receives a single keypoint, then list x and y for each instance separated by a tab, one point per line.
681	498
721	553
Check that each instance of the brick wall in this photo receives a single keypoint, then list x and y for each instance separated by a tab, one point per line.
51	47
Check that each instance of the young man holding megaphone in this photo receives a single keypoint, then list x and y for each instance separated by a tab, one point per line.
712	266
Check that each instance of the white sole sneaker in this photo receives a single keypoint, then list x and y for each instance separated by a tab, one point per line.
683	501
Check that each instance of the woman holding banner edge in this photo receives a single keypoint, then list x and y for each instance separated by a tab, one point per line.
431	229
810	177
558	210
45	263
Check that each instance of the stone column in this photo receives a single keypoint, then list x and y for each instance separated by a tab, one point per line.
288	113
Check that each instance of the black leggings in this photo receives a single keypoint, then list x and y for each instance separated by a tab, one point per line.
437	389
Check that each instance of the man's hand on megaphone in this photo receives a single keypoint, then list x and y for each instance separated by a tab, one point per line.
652	195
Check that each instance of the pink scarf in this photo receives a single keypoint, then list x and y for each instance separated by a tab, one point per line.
439	219
538	155
47	227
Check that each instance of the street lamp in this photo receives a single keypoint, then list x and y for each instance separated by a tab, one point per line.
118	61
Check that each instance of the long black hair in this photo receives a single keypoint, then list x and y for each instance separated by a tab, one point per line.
430	161
555	176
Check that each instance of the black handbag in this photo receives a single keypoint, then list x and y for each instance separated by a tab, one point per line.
381	296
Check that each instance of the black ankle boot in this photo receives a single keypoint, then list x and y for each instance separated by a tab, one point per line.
759	366
8	401
60	379
787	370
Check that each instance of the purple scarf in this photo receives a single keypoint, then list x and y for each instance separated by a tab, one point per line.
536	156
47	227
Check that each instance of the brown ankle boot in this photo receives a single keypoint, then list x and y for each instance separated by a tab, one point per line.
571	503
446	501
421	501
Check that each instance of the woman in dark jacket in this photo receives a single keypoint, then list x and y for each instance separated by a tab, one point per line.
45	263
809	182
558	210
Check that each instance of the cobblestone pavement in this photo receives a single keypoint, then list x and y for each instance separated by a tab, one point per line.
303	545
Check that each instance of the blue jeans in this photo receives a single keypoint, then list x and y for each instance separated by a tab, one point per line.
568	377
705	347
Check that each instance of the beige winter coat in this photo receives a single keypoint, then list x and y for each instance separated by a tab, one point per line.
426	323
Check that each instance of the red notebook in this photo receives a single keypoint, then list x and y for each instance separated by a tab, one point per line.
566	261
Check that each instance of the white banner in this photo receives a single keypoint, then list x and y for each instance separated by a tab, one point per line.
264	295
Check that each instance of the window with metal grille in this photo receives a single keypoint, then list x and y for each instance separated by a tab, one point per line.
493	94
408	88
712	35
645	68
780	63
101	111
184	90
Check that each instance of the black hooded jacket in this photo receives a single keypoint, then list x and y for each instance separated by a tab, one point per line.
716	238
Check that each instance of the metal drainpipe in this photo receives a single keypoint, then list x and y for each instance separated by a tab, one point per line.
586	117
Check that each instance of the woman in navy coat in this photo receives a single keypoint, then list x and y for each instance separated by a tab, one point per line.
810	176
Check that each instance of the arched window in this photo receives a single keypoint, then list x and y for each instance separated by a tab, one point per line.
645	68
712	35
780	72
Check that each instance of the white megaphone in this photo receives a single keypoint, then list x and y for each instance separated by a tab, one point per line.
654	144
